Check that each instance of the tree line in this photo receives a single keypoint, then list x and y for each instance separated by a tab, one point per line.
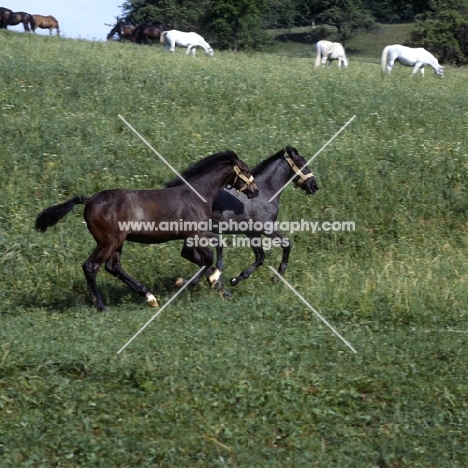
440	25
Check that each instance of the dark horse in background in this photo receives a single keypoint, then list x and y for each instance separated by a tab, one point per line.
271	175
18	17
4	15
46	22
144	33
105	212
123	30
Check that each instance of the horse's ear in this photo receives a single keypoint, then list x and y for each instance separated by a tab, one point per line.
232	157
290	150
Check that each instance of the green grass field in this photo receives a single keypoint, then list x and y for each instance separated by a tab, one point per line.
256	381
300	42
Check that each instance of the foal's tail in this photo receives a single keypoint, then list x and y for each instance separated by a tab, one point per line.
162	37
32	22
55	213
383	61
318	57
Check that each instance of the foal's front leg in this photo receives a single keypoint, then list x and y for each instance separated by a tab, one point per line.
256	245
418	66
202	256
198	255
286	245
192	48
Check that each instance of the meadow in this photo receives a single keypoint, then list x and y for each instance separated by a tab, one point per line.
258	380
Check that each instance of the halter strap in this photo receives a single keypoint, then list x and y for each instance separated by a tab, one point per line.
302	177
241	176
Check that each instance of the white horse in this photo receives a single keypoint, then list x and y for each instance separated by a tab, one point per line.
327	50
416	58
190	40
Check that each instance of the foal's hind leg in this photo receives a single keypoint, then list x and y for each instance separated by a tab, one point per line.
390	65
114	267
90	269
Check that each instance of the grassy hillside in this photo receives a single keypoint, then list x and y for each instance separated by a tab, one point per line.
257	380
300	42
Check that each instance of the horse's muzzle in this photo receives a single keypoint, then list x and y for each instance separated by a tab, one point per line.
252	192
312	190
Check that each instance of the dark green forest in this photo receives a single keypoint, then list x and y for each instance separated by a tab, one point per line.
441	26
273	13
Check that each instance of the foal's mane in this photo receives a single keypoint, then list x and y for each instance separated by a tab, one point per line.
201	166
261	166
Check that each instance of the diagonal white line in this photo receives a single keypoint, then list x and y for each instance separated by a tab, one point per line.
160	310
314	156
160	157
313	310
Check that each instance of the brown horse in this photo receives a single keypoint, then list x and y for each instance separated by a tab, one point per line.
114	216
18	17
46	22
144	32
4	15
124	30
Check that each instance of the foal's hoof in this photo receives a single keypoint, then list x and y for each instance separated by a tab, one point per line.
179	282
151	300
234	281
226	294
275	279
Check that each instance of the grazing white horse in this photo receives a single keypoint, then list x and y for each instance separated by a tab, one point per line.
327	50
409	57
190	40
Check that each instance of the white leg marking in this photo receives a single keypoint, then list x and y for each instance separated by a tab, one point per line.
214	277
151	300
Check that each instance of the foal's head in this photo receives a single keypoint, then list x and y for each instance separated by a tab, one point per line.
304	178
240	178
244	180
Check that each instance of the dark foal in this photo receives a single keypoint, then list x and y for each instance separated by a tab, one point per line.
271	175
231	209
108	214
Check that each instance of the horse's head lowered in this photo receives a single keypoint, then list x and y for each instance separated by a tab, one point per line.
304	177
244	180
439	71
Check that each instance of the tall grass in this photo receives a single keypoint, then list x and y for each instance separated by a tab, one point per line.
256	381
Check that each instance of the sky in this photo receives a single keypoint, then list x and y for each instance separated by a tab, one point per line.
78	19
